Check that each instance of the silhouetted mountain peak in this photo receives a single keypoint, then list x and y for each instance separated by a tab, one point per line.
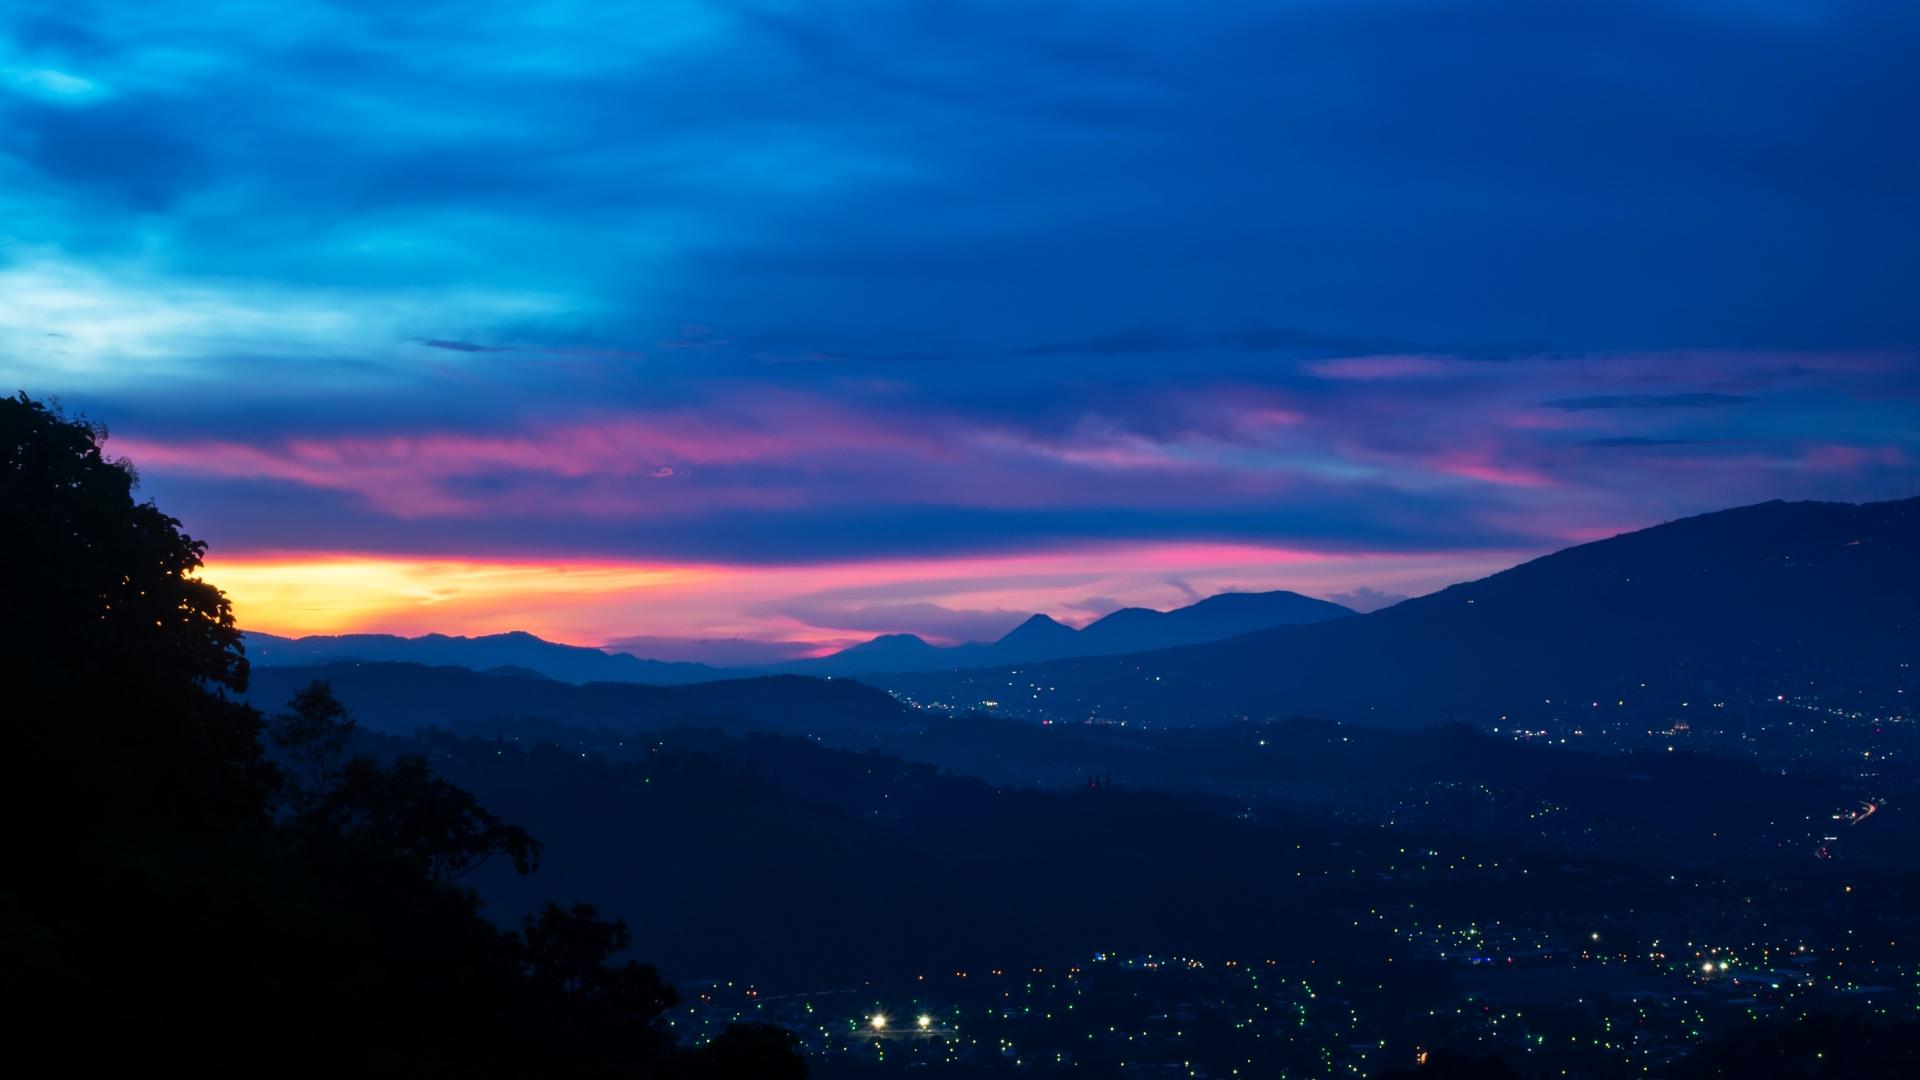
1740	604
1235	601
1041	637
1221	616
1037	628
889	645
1126	616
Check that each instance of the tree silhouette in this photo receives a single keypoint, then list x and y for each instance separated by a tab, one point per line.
404	811
570	954
104	617
758	1050
152	907
103	581
568	949
313	733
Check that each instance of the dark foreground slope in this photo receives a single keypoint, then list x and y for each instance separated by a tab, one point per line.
405	697
1779	598
169	894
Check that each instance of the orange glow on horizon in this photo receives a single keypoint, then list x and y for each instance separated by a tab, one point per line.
592	602
323	594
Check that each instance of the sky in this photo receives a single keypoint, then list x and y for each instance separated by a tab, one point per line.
735	331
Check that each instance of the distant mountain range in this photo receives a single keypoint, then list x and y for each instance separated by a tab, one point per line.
1805	599
1039	638
1128	630
1808	599
516	650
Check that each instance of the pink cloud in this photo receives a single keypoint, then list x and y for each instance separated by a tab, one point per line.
1272	417
1843	458
1490	472
787	610
407	474
1385	367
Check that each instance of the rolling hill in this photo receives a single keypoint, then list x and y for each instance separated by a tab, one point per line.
568	663
1780	598
402	698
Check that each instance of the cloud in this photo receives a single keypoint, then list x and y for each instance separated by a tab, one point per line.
934	622
50	85
1260	339
720	612
1647	401
462	346
1629	442
1119	342
1132	288
720	652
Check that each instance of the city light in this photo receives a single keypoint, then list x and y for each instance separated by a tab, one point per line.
878	1021
925	1021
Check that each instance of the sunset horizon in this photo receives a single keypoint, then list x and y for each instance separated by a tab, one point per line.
961	540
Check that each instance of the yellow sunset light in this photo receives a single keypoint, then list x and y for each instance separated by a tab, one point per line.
330	594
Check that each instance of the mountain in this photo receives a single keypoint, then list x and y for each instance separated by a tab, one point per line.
567	663
1214	619
1797	599
790	865
889	649
403	698
1042	638
1039	638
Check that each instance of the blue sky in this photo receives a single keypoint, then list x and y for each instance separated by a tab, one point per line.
917	298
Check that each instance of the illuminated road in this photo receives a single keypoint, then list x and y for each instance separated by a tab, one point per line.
1867	810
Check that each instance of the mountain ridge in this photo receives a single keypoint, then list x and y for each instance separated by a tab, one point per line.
512	649
1769	598
1039	637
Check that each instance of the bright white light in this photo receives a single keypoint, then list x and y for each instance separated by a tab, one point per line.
925	1021
879	1021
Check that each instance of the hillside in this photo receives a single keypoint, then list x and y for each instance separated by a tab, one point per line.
1778	598
402	698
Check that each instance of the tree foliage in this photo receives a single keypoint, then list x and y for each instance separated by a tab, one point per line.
404	811
313	733
104	618
761	1050
153	904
